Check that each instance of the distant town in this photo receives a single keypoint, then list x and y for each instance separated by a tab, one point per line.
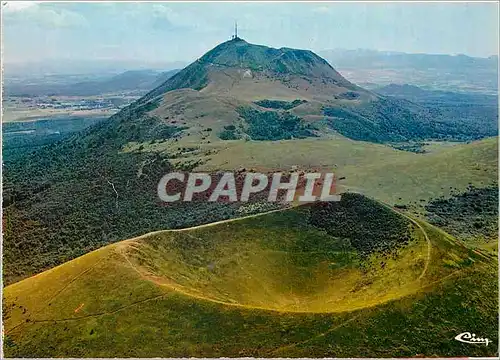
20	108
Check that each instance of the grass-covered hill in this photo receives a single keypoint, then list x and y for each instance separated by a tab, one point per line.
390	175
99	186
244	77
48	220
282	284
239	54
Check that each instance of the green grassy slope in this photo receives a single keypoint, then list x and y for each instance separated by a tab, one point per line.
379	171
239	70
421	177
262	286
116	165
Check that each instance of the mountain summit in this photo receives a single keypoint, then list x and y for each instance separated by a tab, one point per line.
255	62
282	61
240	90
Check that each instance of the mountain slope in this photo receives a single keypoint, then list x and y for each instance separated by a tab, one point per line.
244	75
239	54
218	291
477	111
236	91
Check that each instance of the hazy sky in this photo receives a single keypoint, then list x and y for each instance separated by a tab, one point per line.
166	32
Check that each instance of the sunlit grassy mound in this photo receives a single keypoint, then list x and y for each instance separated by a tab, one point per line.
320	258
315	281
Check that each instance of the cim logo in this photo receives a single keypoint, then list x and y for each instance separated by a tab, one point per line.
468	338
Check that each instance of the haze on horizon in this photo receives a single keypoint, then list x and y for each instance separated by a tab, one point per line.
162	33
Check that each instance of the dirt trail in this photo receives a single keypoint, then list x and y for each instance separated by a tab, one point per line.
209	224
429	244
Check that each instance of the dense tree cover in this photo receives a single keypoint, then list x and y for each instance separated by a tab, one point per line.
348	95
21	137
397	120
67	198
130	124
280	104
470	215
369	225
475	120
229	133
67	202
274	125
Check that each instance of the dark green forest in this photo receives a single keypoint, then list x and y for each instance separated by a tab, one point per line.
382	230
397	120
280	104
73	196
471	215
274	125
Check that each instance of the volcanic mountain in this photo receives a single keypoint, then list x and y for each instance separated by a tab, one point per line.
282	284
241	90
236	64
347	279
219	113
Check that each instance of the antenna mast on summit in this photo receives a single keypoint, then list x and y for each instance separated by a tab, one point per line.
235	35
